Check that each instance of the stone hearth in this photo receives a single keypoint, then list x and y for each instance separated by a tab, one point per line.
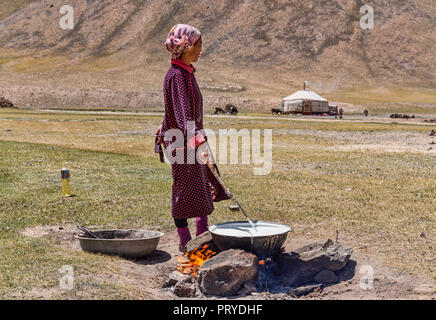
237	272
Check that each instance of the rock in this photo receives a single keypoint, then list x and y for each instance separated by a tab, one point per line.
348	272
198	242
175	278
326	276
5	103
225	273
331	255
301	266
302	291
248	288
185	290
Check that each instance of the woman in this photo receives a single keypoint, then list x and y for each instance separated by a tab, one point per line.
194	186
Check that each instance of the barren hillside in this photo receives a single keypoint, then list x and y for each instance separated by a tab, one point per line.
267	47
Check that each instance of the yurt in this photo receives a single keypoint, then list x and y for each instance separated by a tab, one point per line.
305	102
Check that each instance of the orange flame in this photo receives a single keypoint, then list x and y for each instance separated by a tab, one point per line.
194	260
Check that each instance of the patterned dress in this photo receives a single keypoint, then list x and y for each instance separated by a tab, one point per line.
194	188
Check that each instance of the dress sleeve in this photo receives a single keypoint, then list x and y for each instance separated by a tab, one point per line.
182	97
158	147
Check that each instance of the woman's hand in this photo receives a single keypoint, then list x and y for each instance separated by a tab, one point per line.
158	131
204	153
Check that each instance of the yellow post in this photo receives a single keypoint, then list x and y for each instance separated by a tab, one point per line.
66	188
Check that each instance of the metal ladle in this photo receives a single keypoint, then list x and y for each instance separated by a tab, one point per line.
88	232
228	192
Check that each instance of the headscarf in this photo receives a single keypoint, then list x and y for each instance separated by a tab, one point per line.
181	38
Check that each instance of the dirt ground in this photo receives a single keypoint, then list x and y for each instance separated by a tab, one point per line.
390	141
148	275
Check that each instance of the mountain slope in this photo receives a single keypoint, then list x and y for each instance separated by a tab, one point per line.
279	40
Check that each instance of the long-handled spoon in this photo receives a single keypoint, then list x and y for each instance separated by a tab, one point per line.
229	193
92	234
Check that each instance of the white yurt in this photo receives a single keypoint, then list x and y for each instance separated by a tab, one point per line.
306	102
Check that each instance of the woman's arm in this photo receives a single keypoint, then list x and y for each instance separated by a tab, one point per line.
182	98
158	134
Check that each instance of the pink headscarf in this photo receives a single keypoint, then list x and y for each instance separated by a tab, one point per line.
181	38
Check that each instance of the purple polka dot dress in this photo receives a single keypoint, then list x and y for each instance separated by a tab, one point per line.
194	188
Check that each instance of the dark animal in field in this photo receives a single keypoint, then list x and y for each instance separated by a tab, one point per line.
432	133
218	110
276	111
365	113
5	103
231	109
401	116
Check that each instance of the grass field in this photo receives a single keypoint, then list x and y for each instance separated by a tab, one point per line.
378	200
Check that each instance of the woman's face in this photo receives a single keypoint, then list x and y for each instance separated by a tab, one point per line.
194	52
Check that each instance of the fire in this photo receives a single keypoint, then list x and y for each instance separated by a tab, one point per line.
265	263
194	260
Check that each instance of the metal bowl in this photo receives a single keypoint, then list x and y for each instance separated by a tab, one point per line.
261	245
125	243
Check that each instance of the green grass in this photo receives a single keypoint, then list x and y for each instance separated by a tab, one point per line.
30	264
381	199
112	190
31	187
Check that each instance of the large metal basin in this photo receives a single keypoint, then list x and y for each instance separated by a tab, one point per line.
133	244
263	244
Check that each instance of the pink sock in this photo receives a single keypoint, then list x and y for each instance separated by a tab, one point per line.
201	224
184	235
